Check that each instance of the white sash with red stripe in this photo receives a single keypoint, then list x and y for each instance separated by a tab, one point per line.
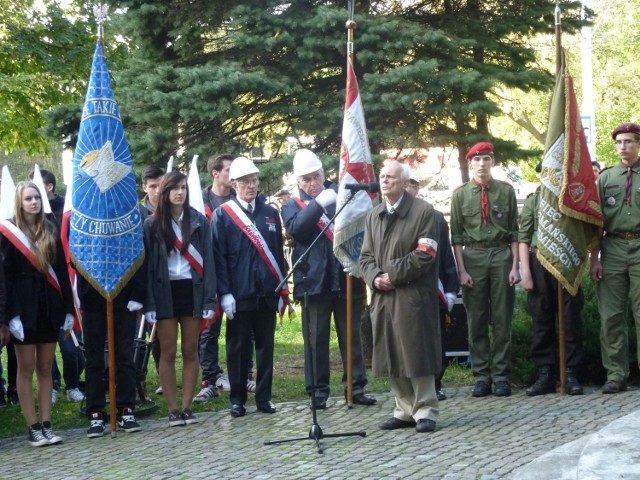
322	222
253	234
21	242
191	255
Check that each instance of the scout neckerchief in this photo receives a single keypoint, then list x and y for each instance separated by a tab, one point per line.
484	202
253	234
21	242
322	222
191	255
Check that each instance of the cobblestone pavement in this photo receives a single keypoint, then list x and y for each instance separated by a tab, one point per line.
484	438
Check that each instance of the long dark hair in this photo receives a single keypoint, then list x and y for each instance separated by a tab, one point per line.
162	227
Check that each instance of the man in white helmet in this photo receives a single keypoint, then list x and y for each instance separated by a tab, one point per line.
249	264
304	215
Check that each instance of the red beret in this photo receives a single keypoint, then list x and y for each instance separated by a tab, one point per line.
626	128
479	149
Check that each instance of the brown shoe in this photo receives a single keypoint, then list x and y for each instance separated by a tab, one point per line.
614	387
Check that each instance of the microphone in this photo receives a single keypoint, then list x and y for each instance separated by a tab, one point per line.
373	187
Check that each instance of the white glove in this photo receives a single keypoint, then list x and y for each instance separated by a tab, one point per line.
134	306
207	314
15	327
68	322
350	270
451	300
228	304
150	317
326	197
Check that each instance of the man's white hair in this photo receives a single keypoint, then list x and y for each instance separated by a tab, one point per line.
405	170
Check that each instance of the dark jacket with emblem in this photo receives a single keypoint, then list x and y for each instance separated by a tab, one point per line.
325	273
158	298
241	270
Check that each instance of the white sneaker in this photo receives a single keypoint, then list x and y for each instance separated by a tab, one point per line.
159	390
54	396
223	383
206	393
75	395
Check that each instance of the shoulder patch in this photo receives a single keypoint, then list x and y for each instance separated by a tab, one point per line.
506	183
605	168
460	186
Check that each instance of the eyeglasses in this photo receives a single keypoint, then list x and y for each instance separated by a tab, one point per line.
249	183
625	142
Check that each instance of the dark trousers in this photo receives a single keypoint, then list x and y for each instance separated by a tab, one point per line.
72	362
543	304
95	337
445	361
209	352
262	321
317	315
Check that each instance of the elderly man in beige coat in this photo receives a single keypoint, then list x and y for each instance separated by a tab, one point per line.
399	263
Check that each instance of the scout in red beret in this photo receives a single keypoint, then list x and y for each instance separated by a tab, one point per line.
482	148
626	128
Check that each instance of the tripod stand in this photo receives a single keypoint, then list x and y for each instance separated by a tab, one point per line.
315	432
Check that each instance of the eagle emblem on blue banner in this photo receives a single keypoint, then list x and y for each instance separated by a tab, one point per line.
105	235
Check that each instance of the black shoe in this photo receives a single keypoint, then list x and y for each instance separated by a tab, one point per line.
425	425
266	407
363	399
3	401
482	389
441	395
573	385
321	404
395	423
96	425
237	410
503	389
614	387
545	383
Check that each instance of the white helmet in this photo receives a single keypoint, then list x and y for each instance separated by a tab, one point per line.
305	162
240	167
413	175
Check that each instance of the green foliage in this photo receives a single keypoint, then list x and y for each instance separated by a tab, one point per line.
41	56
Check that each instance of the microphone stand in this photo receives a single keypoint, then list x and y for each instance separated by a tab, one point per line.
315	432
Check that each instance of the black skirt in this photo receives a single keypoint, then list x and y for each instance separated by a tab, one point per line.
182	298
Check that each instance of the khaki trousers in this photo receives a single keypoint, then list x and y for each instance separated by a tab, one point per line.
415	398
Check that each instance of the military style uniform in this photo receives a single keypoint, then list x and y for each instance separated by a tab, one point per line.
488	259
543	300
620	257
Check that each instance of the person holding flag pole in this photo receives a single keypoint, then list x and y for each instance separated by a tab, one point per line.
105	227
569	213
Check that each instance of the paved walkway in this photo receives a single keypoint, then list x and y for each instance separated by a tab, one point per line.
486	438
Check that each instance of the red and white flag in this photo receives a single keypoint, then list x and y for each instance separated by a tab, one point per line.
355	167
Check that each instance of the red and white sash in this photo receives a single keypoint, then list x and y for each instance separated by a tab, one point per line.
21	242
191	255
322	222
251	231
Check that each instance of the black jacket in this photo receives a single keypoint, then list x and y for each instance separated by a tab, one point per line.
241	270
325	273
158	298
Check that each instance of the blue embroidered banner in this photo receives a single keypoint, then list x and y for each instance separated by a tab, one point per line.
105	236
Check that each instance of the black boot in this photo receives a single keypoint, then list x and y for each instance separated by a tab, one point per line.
546	383
573	386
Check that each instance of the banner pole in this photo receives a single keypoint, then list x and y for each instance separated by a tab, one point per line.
349	342
112	367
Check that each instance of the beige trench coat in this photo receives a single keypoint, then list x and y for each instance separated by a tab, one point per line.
405	321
